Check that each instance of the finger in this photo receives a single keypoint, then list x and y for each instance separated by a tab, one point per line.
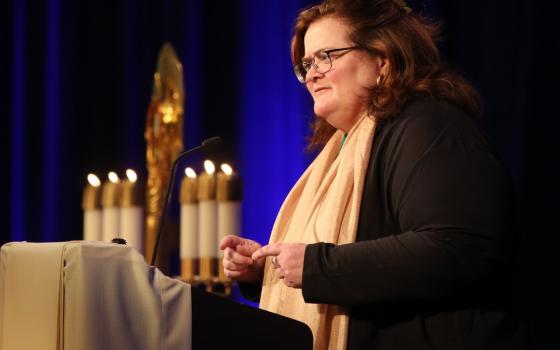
234	274
268	250
227	252
279	273
247	249
231	241
237	258
228	265
232	255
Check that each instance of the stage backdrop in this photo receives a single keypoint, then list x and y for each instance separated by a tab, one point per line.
76	78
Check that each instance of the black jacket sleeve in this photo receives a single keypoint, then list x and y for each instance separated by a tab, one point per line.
448	196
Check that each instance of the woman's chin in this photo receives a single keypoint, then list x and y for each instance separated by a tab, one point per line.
321	112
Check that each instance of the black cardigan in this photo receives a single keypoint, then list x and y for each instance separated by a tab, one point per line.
431	265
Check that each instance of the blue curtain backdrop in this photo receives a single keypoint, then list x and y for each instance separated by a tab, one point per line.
76	78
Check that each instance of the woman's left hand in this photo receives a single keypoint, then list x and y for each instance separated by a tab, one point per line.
287	261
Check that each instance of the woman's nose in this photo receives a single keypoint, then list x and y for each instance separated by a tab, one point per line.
312	74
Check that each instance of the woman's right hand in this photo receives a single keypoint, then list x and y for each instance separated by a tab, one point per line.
238	264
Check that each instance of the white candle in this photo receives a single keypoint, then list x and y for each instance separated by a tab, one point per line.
132	211
207	212
189	216
91	204
229	194
110	194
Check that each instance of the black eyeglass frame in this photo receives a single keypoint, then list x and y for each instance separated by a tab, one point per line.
301	70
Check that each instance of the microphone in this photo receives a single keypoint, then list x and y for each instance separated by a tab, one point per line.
210	144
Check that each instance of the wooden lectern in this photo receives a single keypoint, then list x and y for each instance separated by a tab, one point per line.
93	295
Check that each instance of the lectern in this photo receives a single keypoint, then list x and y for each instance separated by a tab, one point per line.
93	295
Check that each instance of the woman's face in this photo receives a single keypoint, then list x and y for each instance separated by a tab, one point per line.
340	95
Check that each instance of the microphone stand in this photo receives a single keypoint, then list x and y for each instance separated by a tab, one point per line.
212	142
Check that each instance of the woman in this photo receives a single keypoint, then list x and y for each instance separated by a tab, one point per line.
398	235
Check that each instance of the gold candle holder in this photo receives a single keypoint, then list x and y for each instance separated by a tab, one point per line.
208	268
189	269
221	284
207	273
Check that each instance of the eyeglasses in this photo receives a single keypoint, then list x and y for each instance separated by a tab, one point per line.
321	62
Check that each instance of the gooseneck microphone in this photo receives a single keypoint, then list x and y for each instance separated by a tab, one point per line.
207	145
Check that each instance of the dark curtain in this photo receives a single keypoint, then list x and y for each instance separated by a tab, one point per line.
76	77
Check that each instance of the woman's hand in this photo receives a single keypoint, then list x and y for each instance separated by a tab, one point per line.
287	261
238	264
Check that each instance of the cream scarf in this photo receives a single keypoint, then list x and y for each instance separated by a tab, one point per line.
323	206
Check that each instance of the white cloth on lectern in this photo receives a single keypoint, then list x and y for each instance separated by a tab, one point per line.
29	295
110	299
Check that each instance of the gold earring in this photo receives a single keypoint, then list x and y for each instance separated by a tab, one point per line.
379	79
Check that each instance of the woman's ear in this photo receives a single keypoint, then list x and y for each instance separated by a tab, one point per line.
383	65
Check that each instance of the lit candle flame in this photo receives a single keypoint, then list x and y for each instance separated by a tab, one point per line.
113	177
131	174
93	180
209	167
190	173
226	168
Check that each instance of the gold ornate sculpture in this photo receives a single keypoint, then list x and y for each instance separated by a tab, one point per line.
164	142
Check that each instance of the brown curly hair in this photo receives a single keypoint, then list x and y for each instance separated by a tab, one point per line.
387	29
